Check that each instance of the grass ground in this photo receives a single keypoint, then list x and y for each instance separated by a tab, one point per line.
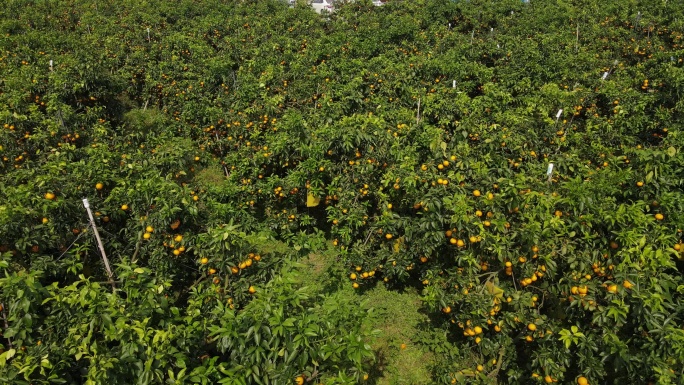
406	340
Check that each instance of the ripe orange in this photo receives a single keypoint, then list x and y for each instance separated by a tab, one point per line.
480	368
388	236
659	217
355	285
149	229
627	285
402	346
532	327
352	276
460	243
175	224
204	260
299	380
477	193
447	310
582	381
45	221
548	379
146	236
99	186
49	196
640	184
477	330
251	290
124	207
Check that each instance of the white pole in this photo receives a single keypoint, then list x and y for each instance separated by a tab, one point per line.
99	242
418	113
558	115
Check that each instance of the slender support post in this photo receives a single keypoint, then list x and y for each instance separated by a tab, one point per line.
418	113
99	243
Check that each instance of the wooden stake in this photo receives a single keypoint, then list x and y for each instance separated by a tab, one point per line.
99	243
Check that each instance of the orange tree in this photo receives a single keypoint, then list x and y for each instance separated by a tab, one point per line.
217	142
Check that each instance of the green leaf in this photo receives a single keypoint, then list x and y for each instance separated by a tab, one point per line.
6	356
671	151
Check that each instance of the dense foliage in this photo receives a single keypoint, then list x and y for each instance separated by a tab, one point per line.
219	142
